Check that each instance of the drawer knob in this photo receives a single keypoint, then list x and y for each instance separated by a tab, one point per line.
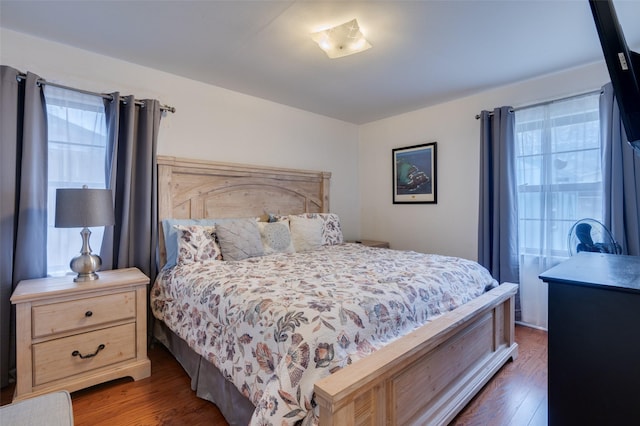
88	314
77	353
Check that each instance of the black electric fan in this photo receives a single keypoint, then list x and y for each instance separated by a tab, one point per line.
591	236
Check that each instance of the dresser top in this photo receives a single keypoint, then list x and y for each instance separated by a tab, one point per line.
43	288
610	271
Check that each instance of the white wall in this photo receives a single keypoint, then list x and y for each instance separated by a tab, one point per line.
210	122
450	226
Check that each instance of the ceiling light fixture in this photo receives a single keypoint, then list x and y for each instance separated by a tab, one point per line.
343	40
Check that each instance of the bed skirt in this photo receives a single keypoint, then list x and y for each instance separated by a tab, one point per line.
206	379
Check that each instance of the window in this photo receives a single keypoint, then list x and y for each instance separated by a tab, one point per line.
559	180
559	171
77	147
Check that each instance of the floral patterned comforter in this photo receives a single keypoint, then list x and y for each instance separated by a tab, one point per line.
274	325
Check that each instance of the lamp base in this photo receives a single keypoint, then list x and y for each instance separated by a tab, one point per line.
91	276
86	263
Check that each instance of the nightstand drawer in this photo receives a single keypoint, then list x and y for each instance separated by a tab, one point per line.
76	314
55	359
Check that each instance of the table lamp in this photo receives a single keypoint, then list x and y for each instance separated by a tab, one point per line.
82	208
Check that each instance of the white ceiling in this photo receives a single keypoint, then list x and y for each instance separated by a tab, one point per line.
424	52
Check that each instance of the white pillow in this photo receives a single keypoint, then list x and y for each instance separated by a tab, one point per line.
306	233
276	237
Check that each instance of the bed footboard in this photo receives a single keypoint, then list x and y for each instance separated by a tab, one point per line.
429	375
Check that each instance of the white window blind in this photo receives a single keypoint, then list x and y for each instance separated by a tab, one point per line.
76	147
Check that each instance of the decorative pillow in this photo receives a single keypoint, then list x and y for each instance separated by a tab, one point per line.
171	236
306	232
197	243
239	239
331	231
276	237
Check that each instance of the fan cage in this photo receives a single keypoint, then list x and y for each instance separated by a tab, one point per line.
581	238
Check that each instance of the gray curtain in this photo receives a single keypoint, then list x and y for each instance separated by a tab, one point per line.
23	167
131	173
621	177
498	212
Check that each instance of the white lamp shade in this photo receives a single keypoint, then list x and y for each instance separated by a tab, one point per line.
83	207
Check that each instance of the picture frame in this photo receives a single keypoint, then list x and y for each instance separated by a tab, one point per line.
415	174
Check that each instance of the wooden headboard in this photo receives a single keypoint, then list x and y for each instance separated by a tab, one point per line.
197	189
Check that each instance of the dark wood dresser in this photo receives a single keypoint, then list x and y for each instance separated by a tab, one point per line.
594	340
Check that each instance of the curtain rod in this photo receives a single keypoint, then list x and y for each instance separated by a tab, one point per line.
107	96
547	102
491	113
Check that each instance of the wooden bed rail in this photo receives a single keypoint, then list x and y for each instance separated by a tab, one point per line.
429	375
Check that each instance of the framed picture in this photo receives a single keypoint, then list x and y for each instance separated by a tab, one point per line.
414	174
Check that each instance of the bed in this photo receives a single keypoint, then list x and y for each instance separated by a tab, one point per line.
338	334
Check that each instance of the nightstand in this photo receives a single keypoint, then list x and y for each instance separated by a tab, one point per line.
71	335
372	243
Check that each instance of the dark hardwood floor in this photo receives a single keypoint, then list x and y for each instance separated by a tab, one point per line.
516	396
